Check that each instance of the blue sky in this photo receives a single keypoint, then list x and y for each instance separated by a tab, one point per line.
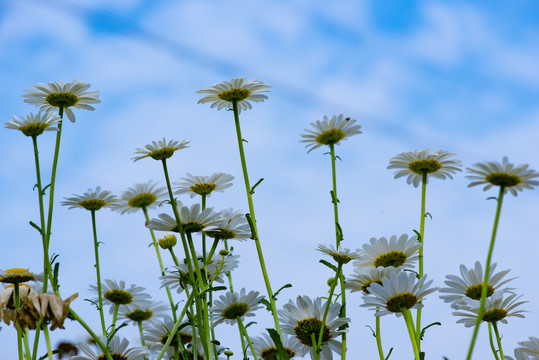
459	76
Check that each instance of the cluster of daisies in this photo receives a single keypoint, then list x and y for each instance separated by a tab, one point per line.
383	269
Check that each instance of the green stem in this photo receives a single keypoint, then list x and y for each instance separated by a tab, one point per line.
316	351
114	317
379	337
48	341
229	273
203	204
498	339
139	323
491	341
244	331
252	214
17	301
161	267
334	199
421	241
96	338
484	287
410	326
27	347
98	275
328	304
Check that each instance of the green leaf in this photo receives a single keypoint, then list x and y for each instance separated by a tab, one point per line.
329	265
429	215
278	291
282	354
57	351
428	326
252	191
267	303
373	332
36	227
389	353
252	226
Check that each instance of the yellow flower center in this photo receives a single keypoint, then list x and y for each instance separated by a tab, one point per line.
163	153
426	166
474	291
115	356
232	311
119	297
401	301
221	233
142	200
234	94
503	179
92	204
330	137
203	189
392	258
64	100
16	275
34	129
494	315
311	326
367	284
271	353
139	315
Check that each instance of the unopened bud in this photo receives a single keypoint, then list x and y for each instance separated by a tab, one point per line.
168	241
224	252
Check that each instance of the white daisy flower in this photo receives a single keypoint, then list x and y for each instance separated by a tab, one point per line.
266	349
395	252
512	178
340	255
144	195
470	284
118	350
115	293
160	150
54	95
192	219
203	185
362	278
232	225
397	292
34	125
497	309
92	200
223	94
19	275
177	277
155	334
304	318
143	311
416	164
233	305
330	132
528	350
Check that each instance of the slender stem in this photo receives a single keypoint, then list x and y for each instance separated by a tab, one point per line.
342	313
379	337
161	267
244	331
48	341
316	351
484	287
252	214
203	205
96	338
491	341
421	240
27	347
334	199
98	275
410	326
328	304
498	339
16	300
139	323
114	317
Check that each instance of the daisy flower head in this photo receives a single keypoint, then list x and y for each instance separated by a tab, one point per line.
155	334
397	292
144	195
203	185
192	219
395	252
116	293
340	255
497	308
18	275
238	90
424	162
512	178
143	311
330	131
92	200
61	95
470	284
118	350
233	305
160	150
33	125
528	349
266	349
232	225
363	278
304	319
